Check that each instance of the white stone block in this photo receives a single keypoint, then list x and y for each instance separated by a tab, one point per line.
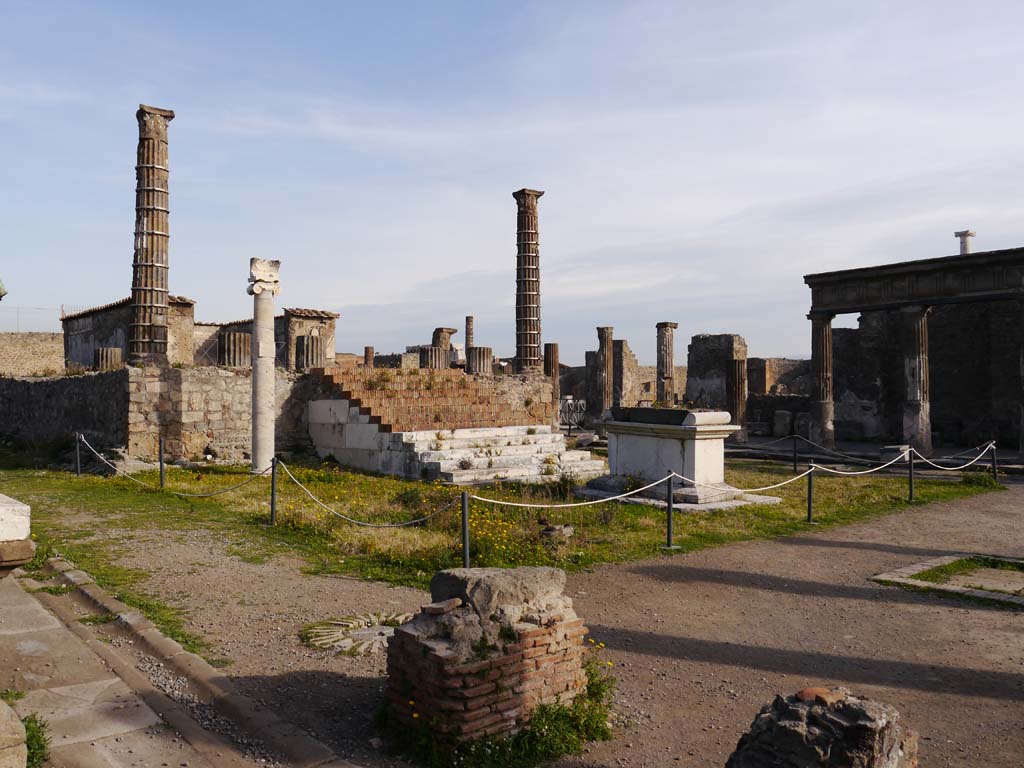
15	519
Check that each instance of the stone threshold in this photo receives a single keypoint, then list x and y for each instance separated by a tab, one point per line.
904	577
679	506
211	685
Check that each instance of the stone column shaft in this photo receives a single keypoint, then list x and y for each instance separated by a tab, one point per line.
479	360
822	405
553	371
605	368
147	330
469	332
528	344
264	283
368	361
917	423
665	385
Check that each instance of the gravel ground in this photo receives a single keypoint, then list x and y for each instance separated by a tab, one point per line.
700	641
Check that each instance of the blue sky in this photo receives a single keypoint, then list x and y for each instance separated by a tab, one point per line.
697	158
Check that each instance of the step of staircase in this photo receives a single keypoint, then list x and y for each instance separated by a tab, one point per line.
578	463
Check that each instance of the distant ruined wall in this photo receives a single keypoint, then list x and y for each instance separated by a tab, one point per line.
31	354
100	328
95	404
709	357
785	375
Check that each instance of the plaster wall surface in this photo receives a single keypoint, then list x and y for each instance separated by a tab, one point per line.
31	354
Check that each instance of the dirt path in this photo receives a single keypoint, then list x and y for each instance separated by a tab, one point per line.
701	641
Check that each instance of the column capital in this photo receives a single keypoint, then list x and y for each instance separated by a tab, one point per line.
819	316
153	122
527	198
915	309
264	276
666	324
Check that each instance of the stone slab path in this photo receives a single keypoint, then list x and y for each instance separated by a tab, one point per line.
95	721
702	641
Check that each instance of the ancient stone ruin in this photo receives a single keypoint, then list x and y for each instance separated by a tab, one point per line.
492	646
16	545
829	728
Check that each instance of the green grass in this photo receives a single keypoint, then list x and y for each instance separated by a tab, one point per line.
95	521
37	740
943	573
98	619
10	695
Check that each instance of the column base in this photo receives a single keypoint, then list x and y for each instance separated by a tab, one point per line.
823	430
917	425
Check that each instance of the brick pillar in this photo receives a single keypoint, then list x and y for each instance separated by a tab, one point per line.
822	406
147	330
917	422
469	332
368	361
552	371
604	364
666	363
479	360
528	351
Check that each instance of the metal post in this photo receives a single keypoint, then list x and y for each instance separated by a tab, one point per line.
810	496
669	528
910	473
795	458
78	453
465	529
161	449
995	463
273	490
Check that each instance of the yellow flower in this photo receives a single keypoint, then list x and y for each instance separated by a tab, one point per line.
609	664
600	645
590	640
412	703
415	715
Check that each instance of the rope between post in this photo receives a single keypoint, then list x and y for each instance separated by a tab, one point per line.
747	490
823	468
566	506
975	460
352	519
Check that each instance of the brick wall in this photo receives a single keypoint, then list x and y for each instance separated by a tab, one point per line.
31	354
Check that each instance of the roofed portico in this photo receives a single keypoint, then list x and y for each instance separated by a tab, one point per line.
911	287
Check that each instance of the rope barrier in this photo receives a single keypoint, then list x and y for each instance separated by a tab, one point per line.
823	468
152	487
975	460
748	490
352	519
577	504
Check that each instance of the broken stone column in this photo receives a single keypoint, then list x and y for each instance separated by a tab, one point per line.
368	359
469	332
604	367
917	422
264	284
736	396
665	386
827	728
435	358
492	646
965	236
16	545
822	407
147	329
528	351
479	360
553	371
442	337
234	349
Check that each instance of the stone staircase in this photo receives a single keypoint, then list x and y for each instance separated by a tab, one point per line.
444	425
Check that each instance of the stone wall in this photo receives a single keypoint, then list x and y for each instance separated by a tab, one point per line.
103	327
205	342
208	410
709	358
783	375
95	404
31	354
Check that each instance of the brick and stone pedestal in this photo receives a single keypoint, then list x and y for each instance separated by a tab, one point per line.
16	545
493	646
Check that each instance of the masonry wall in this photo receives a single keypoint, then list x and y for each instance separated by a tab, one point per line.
83	335
709	357
208	410
205	338
31	354
95	404
783	375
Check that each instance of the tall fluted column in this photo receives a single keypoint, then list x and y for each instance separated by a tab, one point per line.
605	368
469	332
665	384
264	284
528	349
822	407
917	421
147	331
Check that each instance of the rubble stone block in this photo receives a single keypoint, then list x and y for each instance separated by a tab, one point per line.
826	727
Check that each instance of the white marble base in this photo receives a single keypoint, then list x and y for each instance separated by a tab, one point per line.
15	518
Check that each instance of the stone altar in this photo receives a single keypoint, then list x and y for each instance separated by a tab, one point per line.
690	443
16	545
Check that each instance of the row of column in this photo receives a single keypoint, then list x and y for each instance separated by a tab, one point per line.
916	427
666	365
